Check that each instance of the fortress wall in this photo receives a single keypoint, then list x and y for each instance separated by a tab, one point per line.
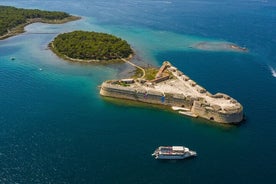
145	96
210	113
117	93
124	93
178	100
197	107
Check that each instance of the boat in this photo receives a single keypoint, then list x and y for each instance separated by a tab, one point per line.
173	152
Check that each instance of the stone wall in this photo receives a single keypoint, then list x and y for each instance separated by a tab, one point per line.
197	106
218	115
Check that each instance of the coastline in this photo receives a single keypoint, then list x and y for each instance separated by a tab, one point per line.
20	28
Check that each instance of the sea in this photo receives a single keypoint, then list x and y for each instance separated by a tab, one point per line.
56	128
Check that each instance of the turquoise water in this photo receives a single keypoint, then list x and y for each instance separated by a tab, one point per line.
55	128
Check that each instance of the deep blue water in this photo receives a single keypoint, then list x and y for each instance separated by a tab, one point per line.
55	128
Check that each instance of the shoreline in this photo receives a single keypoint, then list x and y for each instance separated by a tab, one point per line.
19	29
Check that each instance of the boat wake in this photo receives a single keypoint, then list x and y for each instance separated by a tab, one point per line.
273	71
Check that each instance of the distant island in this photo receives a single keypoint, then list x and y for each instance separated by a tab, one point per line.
219	46
91	47
13	20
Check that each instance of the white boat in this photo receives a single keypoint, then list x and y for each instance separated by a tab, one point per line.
173	152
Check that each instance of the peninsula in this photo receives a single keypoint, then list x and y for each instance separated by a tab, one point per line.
172	88
13	20
91	47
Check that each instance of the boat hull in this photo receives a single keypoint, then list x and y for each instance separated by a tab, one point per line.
172	157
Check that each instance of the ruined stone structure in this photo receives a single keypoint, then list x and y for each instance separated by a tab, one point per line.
179	90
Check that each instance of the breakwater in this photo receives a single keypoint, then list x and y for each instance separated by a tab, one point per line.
177	90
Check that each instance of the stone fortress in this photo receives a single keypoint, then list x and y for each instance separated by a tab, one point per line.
172	88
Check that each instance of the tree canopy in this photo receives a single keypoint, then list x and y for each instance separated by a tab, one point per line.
10	17
91	46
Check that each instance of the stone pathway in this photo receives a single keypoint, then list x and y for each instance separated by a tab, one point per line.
144	72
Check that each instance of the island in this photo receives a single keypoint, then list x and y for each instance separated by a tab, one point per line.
171	88
91	47
13	20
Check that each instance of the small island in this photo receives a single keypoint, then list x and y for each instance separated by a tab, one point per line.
13	20
91	47
219	46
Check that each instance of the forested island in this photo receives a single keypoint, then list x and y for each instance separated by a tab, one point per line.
13	20
93	47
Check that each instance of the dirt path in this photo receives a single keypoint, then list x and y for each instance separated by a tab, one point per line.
144	72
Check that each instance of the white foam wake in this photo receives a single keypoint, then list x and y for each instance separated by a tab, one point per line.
273	71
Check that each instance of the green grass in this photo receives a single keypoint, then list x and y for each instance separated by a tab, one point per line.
150	73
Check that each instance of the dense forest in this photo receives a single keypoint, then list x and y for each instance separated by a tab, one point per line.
10	17
91	46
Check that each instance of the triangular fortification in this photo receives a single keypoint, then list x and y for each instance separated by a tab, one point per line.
173	88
